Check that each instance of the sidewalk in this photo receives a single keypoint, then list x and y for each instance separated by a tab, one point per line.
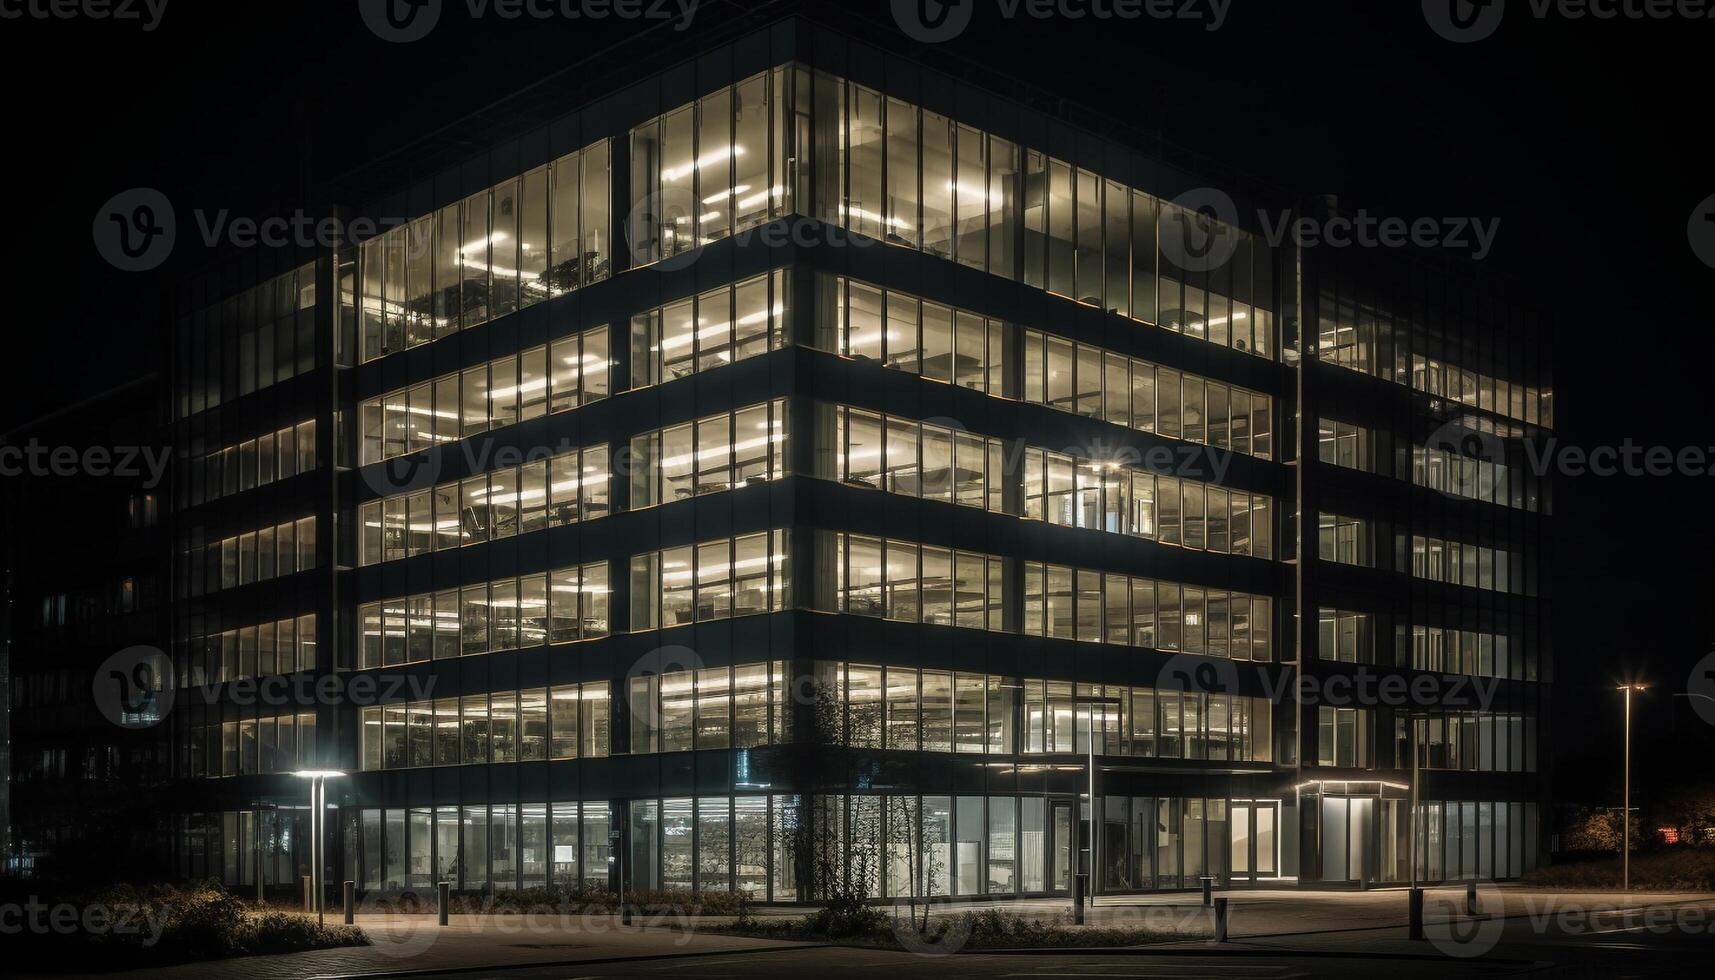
1285	920
418	944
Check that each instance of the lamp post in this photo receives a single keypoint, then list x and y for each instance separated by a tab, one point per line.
1626	794
1090	768
1416	774
318	808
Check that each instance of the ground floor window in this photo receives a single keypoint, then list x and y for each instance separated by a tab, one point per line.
502	846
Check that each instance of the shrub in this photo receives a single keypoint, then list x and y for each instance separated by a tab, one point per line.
1674	870
166	924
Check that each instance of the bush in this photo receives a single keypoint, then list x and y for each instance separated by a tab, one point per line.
846	917
284	932
871	925
582	899
165	924
1676	869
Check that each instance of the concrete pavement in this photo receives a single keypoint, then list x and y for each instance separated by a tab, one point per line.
1514	924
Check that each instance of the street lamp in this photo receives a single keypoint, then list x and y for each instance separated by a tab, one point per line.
318	807
1090	768
1626	794
1416	776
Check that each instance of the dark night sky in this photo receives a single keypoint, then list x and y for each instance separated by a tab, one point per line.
1582	136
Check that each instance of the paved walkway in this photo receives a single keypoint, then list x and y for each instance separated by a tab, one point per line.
1372	922
416	944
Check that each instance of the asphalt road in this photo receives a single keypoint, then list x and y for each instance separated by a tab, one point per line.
1522	949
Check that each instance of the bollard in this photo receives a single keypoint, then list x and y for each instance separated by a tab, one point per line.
624	912
350	902
1077	899
1471	898
1220	920
309	893
445	897
1208	890
1414	913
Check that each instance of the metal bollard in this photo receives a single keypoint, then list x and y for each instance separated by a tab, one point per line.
309	893
1077	899
1220	920
1208	890
350	902
1471	907
445	890
1414	913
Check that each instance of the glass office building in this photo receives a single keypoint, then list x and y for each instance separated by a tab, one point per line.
801	470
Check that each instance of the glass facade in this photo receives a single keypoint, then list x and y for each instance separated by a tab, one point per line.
713	493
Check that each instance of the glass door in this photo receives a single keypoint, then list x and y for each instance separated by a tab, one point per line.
1060	848
1265	837
1242	841
1253	837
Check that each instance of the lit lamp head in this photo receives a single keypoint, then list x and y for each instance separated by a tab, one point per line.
318	773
